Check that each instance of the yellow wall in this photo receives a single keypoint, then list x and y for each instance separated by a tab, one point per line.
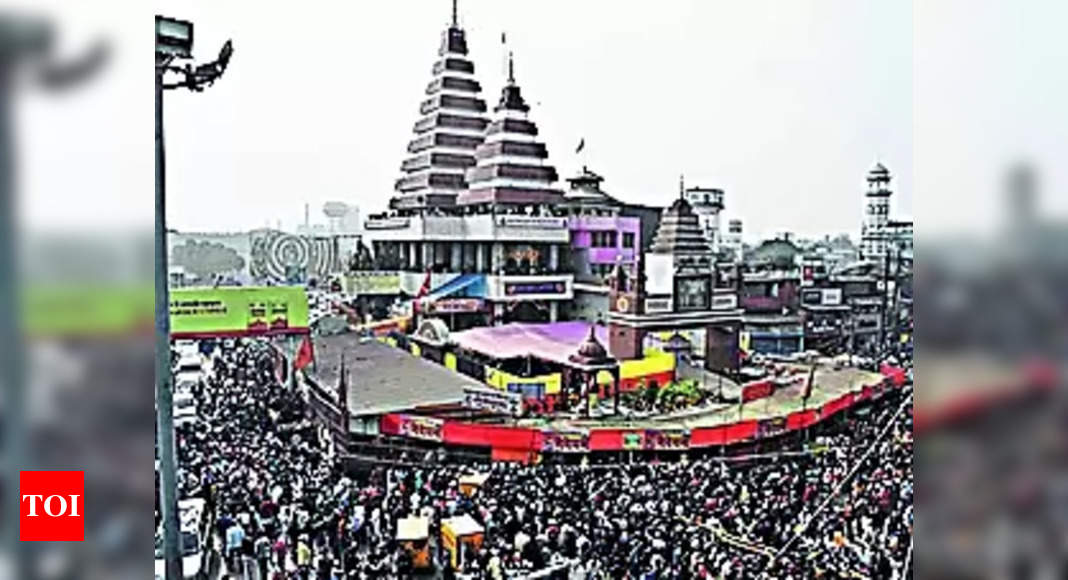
499	379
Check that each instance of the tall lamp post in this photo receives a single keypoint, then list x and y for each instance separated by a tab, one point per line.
174	42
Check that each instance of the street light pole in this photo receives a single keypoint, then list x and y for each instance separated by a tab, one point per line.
174	39
172	552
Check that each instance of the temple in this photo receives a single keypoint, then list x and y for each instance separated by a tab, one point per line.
477	208
677	285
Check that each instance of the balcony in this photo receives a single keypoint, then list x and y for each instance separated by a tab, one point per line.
475	228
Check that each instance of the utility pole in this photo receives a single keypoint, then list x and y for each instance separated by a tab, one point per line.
174	40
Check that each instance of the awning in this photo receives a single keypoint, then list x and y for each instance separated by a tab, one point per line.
459	283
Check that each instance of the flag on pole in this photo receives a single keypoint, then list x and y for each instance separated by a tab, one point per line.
581	145
305	354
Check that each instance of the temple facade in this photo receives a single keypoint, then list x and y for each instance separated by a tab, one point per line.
476	210
677	285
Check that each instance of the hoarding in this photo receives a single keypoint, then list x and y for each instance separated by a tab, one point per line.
238	311
372	283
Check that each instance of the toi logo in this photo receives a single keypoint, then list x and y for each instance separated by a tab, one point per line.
51	506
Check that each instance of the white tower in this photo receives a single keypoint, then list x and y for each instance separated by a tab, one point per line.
874	236
707	203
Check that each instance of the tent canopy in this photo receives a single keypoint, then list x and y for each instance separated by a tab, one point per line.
553	342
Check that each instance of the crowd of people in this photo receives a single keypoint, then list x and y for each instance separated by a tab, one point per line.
286	508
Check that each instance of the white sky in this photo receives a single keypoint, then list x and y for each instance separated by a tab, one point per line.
785	105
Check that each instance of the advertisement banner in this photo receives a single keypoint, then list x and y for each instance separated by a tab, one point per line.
565	441
667	439
425	428
238	311
372	283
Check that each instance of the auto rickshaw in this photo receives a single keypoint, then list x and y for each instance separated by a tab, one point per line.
412	534
455	533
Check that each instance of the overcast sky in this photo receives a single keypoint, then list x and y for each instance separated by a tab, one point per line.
785	105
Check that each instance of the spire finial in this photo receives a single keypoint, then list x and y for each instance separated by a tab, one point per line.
455	20
682	186
511	69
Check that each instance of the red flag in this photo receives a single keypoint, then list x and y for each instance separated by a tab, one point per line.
305	354
425	288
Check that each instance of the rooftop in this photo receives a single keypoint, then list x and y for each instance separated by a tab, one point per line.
553	342
384	379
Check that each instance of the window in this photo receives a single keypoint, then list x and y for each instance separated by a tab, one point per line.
603	239
628	240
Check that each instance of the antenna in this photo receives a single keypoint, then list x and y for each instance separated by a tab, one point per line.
511	69
455	22
682	186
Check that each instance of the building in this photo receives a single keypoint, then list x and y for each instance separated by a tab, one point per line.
771	279
676	286
707	203
476	207
732	240
601	238
880	235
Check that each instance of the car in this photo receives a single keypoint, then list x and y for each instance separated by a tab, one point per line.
185	408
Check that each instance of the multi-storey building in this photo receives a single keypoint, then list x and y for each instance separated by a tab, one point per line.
476	209
880	235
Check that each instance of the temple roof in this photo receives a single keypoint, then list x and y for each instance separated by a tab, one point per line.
586	190
680	232
450	128
511	165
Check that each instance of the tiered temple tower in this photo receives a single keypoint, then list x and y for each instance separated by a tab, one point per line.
512	165
448	132
476	212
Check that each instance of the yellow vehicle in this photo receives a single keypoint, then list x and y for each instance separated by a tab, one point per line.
457	531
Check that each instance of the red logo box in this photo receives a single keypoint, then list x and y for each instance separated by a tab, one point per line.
51	506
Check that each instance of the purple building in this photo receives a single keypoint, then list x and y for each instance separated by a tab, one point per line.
600	236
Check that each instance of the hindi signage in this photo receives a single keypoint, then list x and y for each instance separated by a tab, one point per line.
238	311
425	428
456	305
532	222
667	439
497	401
565	441
658	305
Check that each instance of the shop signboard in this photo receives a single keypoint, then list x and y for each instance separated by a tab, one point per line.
553	287
456	305
554	441
425	428
496	401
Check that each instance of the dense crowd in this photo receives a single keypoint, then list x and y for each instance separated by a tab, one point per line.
283	502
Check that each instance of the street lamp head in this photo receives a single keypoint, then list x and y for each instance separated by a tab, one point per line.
174	37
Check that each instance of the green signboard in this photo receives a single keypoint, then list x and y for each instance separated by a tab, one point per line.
238	311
